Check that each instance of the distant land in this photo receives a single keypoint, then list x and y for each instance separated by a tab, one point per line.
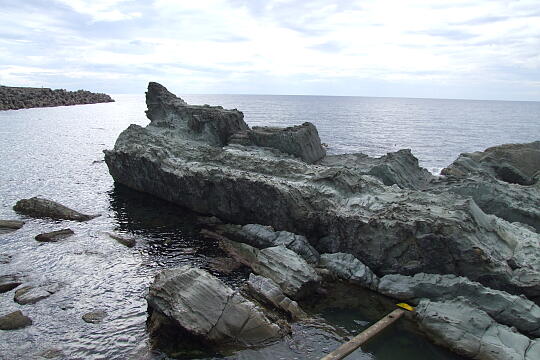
13	98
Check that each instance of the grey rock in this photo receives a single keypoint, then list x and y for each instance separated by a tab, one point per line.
391	230
5	259
51	354
208	309
511	310
473	333
126	241
268	291
7	226
347	267
9	282
301	141
261	237
295	277
32	294
39	207
55	236
94	317
400	168
15	320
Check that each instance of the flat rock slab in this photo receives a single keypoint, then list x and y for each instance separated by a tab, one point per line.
9	282
94	317
15	320
31	295
55	236
39	207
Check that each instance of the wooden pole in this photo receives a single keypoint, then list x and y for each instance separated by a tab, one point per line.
357	341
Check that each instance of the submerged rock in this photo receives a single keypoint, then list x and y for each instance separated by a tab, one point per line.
5	259
15	320
391	230
94	317
347	267
126	241
209	310
473	333
55	236
32	294
39	207
505	308
9	282
7	226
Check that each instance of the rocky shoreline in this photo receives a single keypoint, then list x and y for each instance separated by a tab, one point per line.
14	98
464	247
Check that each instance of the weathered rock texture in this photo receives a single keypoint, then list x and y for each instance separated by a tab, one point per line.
9	282
349	268
473	333
55	236
13	98
506	309
209	310
15	320
39	207
339	209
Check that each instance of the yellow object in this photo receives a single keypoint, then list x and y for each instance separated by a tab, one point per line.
405	306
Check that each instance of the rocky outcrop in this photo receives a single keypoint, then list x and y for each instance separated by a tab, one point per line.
502	180
295	277
208	310
268	291
349	268
473	333
391	230
40	207
504	308
55	236
301	141
13	98
397	168
262	237
14	320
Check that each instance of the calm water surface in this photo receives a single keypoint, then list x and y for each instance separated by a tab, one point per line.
57	153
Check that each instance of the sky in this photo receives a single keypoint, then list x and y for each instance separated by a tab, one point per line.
483	49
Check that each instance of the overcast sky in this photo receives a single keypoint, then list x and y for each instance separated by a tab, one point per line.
483	49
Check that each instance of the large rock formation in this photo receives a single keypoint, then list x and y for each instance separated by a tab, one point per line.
208	310
339	209
13	98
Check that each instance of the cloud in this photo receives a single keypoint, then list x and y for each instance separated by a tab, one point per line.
380	48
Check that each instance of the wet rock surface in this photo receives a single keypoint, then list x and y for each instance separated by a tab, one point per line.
124	240
7	226
55	236
32	294
9	282
94	317
15	320
349	268
13	98
209	310
40	207
473	333
391	230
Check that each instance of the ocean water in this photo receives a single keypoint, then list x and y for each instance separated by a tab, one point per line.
57	153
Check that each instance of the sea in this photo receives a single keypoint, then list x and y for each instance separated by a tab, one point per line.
57	153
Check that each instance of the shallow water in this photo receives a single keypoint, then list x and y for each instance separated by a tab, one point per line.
57	153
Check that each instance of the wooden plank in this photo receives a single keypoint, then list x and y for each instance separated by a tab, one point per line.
353	344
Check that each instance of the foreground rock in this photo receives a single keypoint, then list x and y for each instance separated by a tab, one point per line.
399	168
55	236
7	226
505	308
9	282
269	292
349	268
32	294
473	333
15	320
287	269
391	230
209	310
13	98
39	207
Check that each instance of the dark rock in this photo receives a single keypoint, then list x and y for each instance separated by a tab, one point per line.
5	259
32	294
301	141
55	236
207	309
129	242
7	226
9	282
224	265
400	168
94	317
13	98
15	320
39	207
